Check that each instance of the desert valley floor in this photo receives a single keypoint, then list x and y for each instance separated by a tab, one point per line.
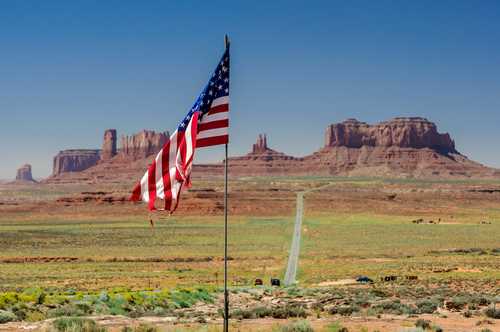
83	249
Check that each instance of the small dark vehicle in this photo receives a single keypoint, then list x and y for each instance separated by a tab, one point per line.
258	282
275	282
364	279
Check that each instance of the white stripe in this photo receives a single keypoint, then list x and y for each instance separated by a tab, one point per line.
144	187
172	156
189	142
215	117
220	101
212	133
159	177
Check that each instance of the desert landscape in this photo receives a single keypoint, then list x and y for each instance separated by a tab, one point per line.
399	232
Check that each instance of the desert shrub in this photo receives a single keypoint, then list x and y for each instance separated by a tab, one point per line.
467	314
437	328
241	314
393	307
67	310
456	303
336	327
379	293
186	298
347	310
140	328
118	305
34	316
486	330
261	312
8	299
76	324
252	313
317	306
298	326
35	295
492	313
288	311
480	300
427	306
424	324
7	316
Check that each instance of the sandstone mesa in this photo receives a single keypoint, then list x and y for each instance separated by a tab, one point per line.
404	147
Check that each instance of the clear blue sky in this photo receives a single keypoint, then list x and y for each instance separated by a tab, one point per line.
70	69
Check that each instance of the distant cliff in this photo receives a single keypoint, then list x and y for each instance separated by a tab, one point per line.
400	132
74	160
401	147
133	147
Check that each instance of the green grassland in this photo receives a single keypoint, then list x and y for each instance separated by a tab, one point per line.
186	251
361	237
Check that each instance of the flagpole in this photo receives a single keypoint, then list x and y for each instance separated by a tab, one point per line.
226	294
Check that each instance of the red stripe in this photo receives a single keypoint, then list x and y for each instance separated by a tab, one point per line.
167	190
136	193
152	185
181	149
219	109
213	125
210	141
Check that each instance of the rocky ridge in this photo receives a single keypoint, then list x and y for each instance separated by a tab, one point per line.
74	160
401	147
24	173
134	147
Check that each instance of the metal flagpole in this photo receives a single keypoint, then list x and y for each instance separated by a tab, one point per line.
226	294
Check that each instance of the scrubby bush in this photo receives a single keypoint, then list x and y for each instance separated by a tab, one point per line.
437	328
492	313
456	303
427	306
298	326
76	324
7	316
336	327
347	310
67	310
140	328
288	311
423	324
393	307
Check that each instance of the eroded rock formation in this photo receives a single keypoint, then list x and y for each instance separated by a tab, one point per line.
261	145
74	160
400	132
24	173
401	147
142	144
109	144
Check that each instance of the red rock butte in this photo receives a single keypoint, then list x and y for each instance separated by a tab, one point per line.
401	147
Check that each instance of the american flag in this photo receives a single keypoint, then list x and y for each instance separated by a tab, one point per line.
205	124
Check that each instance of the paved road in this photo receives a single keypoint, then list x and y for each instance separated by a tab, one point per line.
293	258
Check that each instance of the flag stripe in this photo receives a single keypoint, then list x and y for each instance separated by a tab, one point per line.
201	143
212	133
220	101
219	109
213	125
215	117
159	175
